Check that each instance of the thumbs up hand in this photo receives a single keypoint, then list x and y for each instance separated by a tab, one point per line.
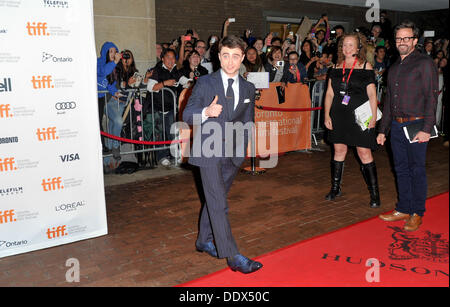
214	109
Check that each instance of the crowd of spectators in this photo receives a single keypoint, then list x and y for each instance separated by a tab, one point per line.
288	58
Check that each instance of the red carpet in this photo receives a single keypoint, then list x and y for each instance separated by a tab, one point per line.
339	258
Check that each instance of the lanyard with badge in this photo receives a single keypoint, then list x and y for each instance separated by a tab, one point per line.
344	84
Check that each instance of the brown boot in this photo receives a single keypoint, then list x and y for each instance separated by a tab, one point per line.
413	223
394	216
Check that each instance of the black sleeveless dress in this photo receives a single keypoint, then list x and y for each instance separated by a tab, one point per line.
345	129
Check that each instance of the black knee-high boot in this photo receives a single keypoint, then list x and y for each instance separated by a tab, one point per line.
369	172
337	169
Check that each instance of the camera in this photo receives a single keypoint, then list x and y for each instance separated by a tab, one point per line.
126	56
280	63
318	54
188	38
196	73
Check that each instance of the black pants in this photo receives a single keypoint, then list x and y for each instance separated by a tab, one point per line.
214	222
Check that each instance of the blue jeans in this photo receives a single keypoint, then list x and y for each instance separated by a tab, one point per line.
114	112
409	165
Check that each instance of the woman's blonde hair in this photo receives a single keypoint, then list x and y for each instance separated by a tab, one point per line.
361	45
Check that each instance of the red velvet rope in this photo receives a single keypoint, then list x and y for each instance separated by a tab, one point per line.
287	109
142	142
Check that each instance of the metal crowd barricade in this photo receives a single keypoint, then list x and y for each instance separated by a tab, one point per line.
316	90
140	134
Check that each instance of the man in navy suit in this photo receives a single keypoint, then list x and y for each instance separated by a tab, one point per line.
221	109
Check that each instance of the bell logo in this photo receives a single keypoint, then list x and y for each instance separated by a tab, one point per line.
37	29
57	232
42	82
7	216
52	184
46	134
7	164
4	110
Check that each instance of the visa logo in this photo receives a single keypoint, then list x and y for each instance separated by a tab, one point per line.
69	157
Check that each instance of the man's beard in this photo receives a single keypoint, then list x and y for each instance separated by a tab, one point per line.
404	51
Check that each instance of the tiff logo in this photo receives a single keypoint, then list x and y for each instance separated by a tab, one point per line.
4	110
42	82
6	85
39	29
52	184
57	232
7	216
46	134
7	164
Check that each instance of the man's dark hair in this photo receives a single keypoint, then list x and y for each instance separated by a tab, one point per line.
167	51
407	24
200	40
294	52
276	38
339	27
380	47
232	42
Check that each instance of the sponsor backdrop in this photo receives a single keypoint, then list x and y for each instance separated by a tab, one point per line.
51	179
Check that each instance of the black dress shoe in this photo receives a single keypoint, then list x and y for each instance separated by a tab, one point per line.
207	247
243	264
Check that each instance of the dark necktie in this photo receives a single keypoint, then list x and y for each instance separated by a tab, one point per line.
230	96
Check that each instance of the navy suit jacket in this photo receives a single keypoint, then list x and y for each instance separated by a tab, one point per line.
211	135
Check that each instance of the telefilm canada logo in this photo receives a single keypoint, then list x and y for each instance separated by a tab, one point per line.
56	4
10	191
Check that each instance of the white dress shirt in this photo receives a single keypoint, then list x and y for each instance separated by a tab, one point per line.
234	86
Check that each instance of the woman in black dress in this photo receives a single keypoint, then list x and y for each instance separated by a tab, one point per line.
351	84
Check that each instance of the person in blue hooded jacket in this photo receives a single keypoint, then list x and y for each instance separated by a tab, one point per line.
109	57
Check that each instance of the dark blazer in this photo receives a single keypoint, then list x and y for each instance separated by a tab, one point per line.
203	94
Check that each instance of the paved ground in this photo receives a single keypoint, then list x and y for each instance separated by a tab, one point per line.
153	222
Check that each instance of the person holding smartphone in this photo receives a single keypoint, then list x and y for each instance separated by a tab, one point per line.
275	65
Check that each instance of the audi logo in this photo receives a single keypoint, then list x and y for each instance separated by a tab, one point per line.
65	105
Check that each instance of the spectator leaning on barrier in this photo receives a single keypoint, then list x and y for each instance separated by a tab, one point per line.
164	75
323	64
109	57
122	76
294	72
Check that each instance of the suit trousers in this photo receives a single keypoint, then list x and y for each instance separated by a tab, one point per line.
214	222
409	165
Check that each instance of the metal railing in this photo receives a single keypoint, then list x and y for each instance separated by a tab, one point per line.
138	107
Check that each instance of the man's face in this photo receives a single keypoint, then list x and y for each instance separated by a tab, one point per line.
201	48
293	59
404	48
376	32
381	53
169	60
230	60
339	32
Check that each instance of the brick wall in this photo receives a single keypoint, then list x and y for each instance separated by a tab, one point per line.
174	17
